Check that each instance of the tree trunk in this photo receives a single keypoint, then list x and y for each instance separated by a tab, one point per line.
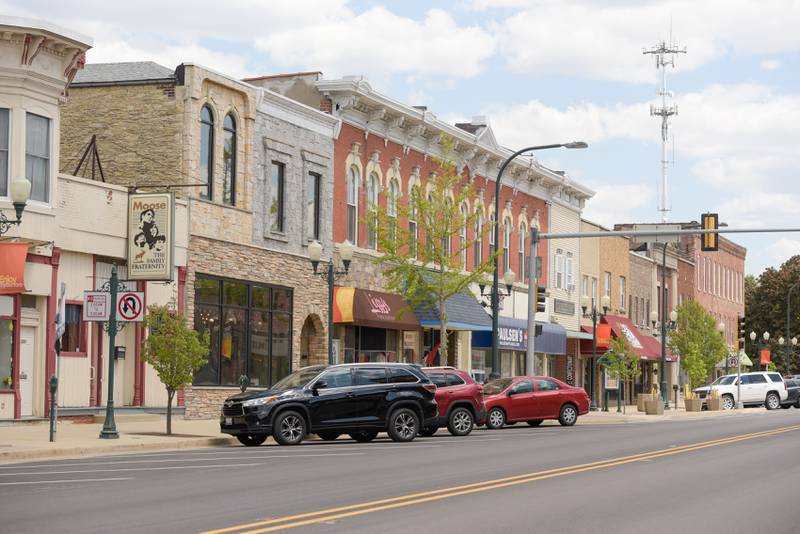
442	334
170	395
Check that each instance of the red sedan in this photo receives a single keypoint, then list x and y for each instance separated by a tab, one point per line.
533	399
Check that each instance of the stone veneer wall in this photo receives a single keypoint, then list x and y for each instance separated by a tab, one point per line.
255	264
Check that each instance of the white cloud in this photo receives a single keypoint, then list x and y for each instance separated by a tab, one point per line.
604	40
771	64
783	249
759	209
614	203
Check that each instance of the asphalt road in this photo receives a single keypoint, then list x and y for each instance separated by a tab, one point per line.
728	475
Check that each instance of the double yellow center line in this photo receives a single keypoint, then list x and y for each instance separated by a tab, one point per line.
331	514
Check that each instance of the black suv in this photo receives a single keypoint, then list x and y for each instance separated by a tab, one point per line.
358	399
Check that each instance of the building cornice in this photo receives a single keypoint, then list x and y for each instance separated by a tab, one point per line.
293	112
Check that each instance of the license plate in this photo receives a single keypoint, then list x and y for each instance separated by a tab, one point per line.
229	420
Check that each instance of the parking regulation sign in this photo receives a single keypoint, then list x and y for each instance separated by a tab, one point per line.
130	306
96	306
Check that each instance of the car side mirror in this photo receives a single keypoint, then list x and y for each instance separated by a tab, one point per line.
511	392
319	384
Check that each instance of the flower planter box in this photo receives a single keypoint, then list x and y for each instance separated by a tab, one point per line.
714	404
654	407
641	398
694	405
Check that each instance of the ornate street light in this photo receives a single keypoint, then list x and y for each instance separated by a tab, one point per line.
589	308
20	193
721	330
329	274
508	278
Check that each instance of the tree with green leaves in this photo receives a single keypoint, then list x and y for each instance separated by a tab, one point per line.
174	350
696	333
424	262
621	362
694	365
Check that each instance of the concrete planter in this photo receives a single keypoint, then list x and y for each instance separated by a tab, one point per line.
654	407
694	405
714	404
641	398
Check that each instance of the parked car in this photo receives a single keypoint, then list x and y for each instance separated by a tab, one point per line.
758	388
460	401
356	399
533	399
793	393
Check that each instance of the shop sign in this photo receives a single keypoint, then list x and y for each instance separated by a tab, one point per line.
151	236
512	337
12	267
563	307
603	336
410	339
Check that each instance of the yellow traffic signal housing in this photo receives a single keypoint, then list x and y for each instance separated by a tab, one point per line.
710	242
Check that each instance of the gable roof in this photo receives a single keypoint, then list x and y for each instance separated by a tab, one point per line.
126	73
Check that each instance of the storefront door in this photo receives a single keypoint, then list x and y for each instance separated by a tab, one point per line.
26	351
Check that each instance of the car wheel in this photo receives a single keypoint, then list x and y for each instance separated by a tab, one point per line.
461	422
328	436
428	431
364	437
252	440
727	402
496	419
535	422
772	402
403	425
568	415
289	428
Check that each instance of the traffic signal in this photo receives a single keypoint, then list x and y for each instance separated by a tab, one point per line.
710	242
741	332
541	299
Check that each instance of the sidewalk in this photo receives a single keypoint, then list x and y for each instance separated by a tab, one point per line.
23	442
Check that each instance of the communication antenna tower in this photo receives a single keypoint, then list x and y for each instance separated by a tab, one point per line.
665	56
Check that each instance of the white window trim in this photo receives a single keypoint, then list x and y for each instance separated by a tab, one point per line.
9	151
53	172
352	177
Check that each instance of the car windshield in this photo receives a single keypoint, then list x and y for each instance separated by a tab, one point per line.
297	379
724	380
496	386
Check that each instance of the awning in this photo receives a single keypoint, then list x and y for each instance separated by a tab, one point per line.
647	347
463	313
513	335
362	307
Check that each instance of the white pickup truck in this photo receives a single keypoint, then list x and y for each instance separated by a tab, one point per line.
761	388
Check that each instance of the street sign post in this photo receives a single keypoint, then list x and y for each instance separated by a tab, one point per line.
130	306
96	306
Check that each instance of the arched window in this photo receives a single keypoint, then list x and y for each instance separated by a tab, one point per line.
413	197
352	204
506	245
391	207
229	160
207	152
372	206
491	234
447	247
523	272
478	246
463	243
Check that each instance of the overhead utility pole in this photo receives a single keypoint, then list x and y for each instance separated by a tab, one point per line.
665	55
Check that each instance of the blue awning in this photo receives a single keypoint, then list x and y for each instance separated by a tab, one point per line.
513	335
463	313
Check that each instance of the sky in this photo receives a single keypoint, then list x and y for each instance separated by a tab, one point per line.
542	71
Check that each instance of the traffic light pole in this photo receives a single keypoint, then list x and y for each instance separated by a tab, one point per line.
533	285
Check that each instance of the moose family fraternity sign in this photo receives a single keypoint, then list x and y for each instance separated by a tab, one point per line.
151	236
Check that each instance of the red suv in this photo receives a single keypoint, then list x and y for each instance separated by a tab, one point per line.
533	399
460	401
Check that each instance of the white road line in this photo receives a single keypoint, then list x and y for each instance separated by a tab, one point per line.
270	448
258	457
75	480
129	469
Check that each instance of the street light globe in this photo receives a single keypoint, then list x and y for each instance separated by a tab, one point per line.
605	302
346	250
653	317
585	302
673	316
315	251
781	341
752	336
20	191
794	341
766	336
509	277
721	327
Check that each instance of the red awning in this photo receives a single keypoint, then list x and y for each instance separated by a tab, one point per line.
646	346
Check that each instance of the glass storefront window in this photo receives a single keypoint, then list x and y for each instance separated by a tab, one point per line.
364	344
281	345
6	350
258	366
234	345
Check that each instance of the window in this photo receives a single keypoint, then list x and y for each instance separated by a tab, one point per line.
585	286
570	272
391	208
594	289
607	284
313	184
276	189
542	384
446	241
366	376
37	156
4	136
401	376
775	377
250	330
229	160
454	380
698	271
491	235
341	377
372	206
440	379
207	152
506	245
478	246
412	220
526	386
621	292
463	244
74	338
523	273
352	204
559	270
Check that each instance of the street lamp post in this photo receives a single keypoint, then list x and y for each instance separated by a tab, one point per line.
756	347
329	274
665	326
721	330
585	305
496	230
20	193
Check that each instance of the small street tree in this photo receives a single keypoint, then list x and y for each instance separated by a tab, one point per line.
622	363
174	350
697	334
423	262
694	365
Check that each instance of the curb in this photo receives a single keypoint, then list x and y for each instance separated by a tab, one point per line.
80	452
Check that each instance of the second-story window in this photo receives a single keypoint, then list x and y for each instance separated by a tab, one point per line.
4	135
463	240
621	292
478	240
352	204
229	160
372	207
560	278
446	241
607	284
207	153
391	208
521	253
491	234
312	205
37	156
570	267
506	245
412	221
276	204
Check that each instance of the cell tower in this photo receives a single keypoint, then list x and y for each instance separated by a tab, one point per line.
665	56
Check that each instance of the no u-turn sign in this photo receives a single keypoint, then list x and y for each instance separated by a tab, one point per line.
130	306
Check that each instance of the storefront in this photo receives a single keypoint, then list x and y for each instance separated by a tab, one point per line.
372	326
